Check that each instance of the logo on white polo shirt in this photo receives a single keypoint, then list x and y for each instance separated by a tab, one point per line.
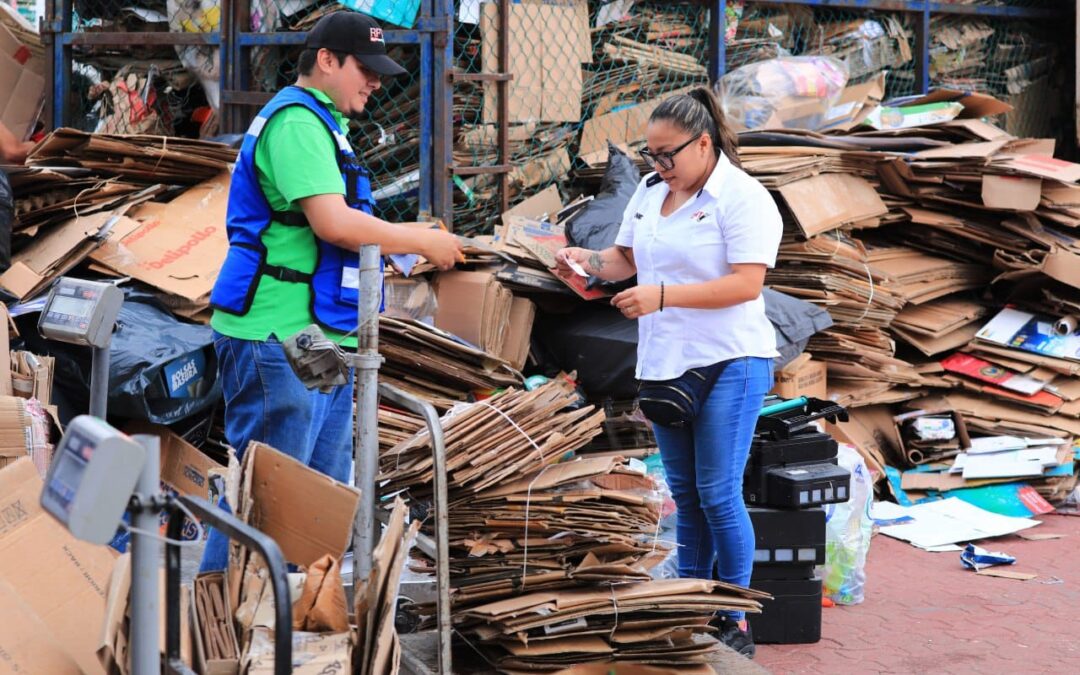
377	34
699	216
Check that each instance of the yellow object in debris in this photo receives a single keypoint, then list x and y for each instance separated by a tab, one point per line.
205	21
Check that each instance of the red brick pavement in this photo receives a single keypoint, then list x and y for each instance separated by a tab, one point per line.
925	613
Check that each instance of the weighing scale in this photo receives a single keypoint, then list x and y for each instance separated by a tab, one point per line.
82	312
98	474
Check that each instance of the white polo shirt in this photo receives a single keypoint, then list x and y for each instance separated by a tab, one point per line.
733	219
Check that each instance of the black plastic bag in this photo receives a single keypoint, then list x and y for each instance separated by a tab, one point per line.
597	224
7	220
151	359
598	342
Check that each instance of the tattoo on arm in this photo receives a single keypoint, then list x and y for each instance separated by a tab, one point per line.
596	261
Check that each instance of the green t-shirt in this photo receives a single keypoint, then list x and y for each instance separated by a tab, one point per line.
295	158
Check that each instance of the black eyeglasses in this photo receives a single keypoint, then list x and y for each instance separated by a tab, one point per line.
664	160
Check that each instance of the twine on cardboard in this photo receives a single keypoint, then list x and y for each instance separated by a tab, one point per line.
869	300
615	605
528	493
870	277
656	534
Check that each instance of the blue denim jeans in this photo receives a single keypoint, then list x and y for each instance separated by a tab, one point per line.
265	401
704	465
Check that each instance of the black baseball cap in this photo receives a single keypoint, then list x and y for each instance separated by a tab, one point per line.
357	34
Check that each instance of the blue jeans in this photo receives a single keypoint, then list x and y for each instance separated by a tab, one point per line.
704	465
265	401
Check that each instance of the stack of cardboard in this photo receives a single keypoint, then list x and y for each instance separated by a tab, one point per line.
135	158
526	534
935	220
657	622
437	366
568	531
496	438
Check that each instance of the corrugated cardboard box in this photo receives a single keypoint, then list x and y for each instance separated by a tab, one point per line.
26	642
185	470
474	306
176	247
15	429
22	85
802	377
306	512
222	658
516	346
56	578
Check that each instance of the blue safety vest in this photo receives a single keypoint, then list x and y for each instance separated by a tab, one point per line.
336	279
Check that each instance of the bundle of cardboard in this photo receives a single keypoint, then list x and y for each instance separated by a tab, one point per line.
663	622
524	518
438	366
493	439
946	251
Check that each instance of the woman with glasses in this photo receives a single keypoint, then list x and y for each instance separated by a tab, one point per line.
700	233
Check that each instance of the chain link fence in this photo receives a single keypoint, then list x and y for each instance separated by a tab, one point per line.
581	73
585	73
143	88
387	136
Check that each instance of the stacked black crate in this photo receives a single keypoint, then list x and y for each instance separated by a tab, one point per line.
791	475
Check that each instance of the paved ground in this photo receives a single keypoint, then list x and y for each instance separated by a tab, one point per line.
925	613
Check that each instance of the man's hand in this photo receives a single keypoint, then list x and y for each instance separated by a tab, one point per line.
441	248
638	301
12	151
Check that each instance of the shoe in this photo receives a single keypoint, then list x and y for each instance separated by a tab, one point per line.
742	641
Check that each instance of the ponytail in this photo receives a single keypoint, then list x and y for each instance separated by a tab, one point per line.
724	138
699	112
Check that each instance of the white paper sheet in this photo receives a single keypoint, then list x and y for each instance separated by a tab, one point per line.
1012	464
990	444
947	521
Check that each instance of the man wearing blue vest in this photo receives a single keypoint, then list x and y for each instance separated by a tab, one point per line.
300	206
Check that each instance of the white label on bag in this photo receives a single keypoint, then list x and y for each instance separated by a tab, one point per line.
350	277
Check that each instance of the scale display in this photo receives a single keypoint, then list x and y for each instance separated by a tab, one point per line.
92	478
81	312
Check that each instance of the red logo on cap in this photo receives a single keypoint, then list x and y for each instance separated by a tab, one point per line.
376	34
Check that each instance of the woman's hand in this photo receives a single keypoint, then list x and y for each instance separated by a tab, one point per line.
638	301
579	256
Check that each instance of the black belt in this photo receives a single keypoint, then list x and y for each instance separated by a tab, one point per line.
286	274
293	218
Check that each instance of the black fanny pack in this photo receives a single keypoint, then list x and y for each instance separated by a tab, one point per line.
677	402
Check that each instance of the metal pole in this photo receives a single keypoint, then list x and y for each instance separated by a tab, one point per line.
366	448
717	41
145	563
922	51
99	382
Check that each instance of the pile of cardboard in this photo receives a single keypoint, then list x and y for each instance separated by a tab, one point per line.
135	158
22	74
492	439
314	535
914	227
67	217
437	366
661	622
523	517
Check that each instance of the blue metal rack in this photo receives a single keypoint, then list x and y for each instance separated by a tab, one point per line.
433	34
921	8
429	33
